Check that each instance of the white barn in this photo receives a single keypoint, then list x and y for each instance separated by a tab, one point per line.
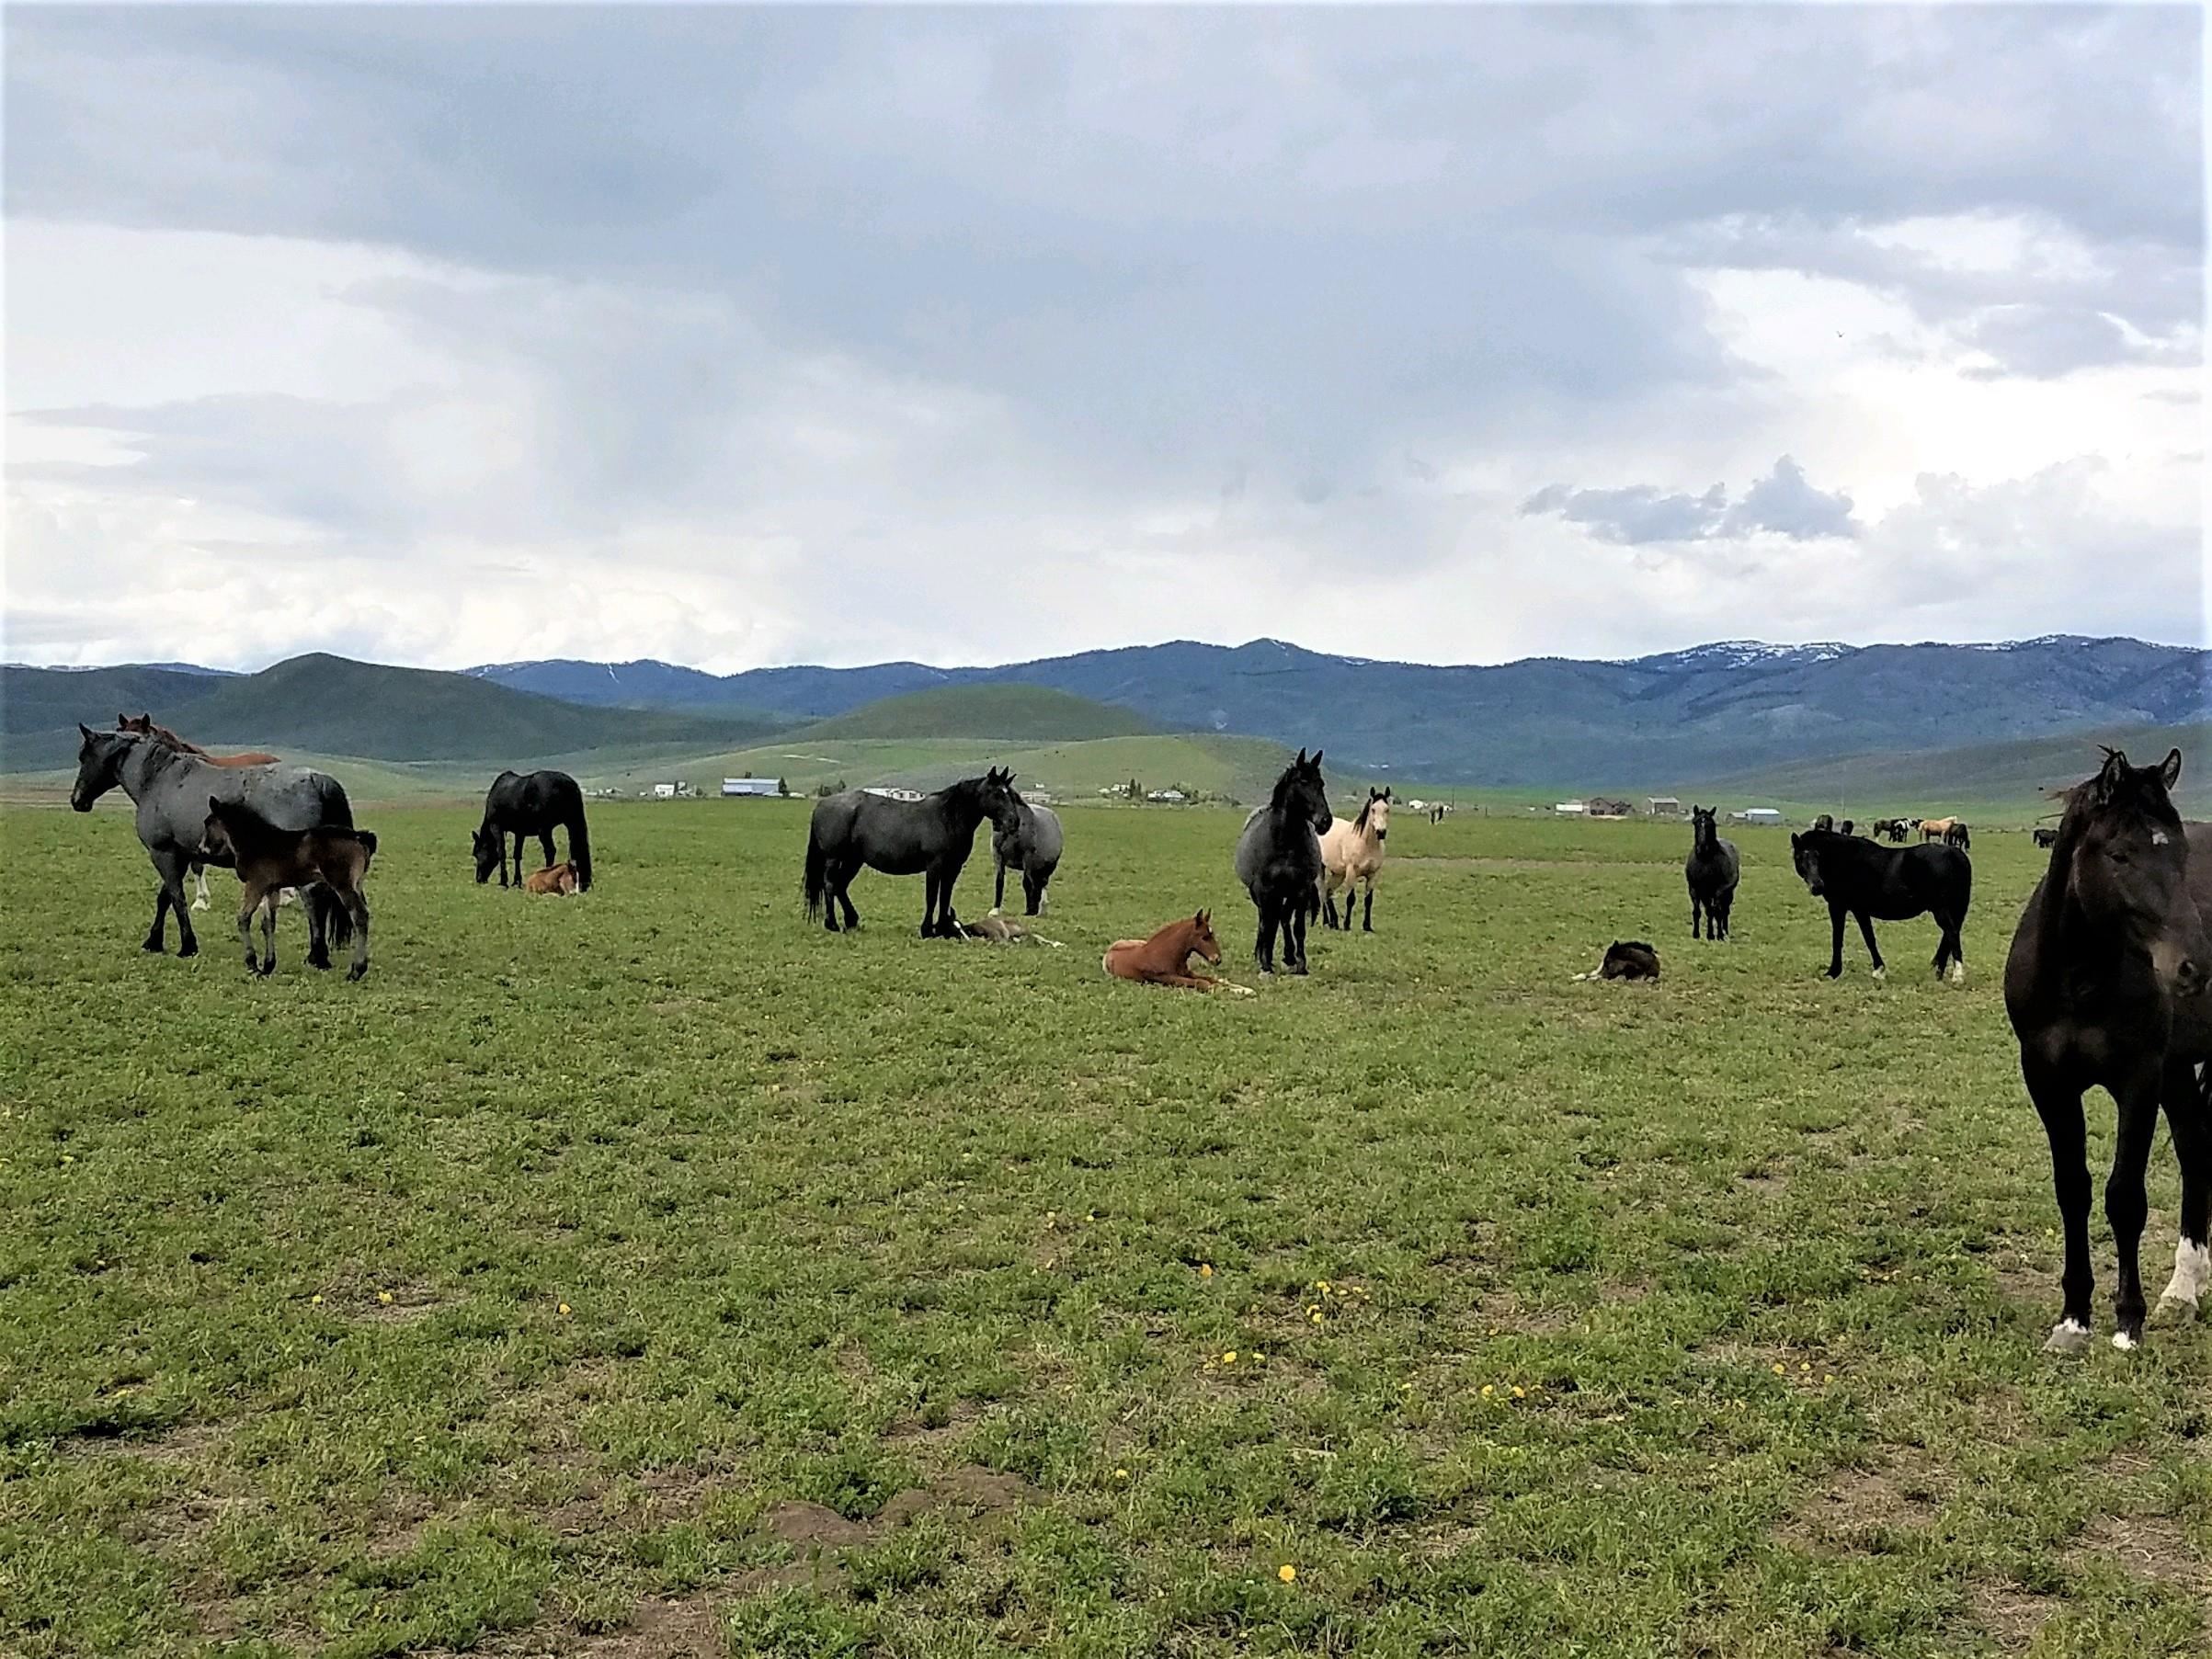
748	785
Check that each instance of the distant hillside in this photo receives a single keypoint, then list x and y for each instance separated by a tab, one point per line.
334	705
1547	721
1015	713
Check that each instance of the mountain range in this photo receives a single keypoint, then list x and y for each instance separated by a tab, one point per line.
1727	710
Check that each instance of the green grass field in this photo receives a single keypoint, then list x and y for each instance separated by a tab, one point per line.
649	1273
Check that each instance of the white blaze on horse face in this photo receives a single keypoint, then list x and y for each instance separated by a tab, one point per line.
2158	838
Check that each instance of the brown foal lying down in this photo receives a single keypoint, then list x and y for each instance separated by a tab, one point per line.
269	860
555	878
1165	957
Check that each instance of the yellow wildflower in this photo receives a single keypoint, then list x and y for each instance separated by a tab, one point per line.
384	1297
1779	1370
1120	1474
1287	1573
1487	1391
1520	1393
1205	1269
1229	1357
565	1310
314	1302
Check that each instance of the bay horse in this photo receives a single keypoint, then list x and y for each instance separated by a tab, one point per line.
171	788
1712	870
269	860
1352	853
1865	879
1279	860
931	837
143	723
1165	957
523	806
1032	848
2104	987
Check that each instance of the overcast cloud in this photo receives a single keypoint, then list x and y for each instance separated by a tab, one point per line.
743	336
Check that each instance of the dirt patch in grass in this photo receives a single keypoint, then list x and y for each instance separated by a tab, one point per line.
1860	1505
814	1527
665	1630
2148	1546
187	1443
2011	1614
920	1430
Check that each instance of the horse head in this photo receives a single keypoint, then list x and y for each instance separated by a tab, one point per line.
1001	804
485	844
1202	938
1375	815
215	839
1804	854
1301	793
99	764
1703	829
2127	865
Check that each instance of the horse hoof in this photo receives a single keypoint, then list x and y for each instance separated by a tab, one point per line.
2175	1310
1958	973
1881	973
2067	1336
356	972
2126	1342
154	948
189	947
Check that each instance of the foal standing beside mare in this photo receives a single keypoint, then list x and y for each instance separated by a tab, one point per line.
1032	847
2104	985
1712	870
1874	883
171	789
1353	853
535	805
269	860
930	838
1279	860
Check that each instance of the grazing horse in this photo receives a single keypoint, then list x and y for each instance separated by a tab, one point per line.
1279	860
1165	957
1860	879
269	860
1934	829
1032	846
1956	836
931	837
171	789
1352	853
558	878
143	725
2044	836
536	805
1712	869
2104	985
1888	829
1626	959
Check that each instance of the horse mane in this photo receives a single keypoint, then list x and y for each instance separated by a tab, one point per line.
1361	821
1283	783
2081	803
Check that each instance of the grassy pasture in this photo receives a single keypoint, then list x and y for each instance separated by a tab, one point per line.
649	1273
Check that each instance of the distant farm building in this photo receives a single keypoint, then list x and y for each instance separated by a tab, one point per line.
892	792
749	786
665	791
1601	808
1758	815
1664	806
1572	809
1167	797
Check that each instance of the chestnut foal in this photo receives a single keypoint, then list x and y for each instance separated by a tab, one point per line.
269	860
1165	957
554	879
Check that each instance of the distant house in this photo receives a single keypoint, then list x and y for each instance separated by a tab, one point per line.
892	792
749	786
1601	808
1664	806
1037	797
1167	797
1758	815
1571	809
664	791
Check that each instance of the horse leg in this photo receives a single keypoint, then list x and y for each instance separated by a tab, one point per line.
2126	1204
1033	895
199	887
1835	947
1696	910
173	868
2189	1118
317	904
545	846
1367	913
1951	937
520	839
2058	1104
1263	948
844	891
1867	933
161	915
268	932
248	903
1294	928
998	893
929	905
356	910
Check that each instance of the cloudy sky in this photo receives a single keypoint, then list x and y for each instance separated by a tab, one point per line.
741	336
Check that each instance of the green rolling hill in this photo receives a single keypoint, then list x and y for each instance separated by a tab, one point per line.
1008	713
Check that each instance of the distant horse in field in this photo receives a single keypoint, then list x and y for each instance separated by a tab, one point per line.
143	725
1956	836
269	860
1626	959
560	878
2045	836
1887	829
1436	814
533	805
931	837
1879	883
1279	860
1934	829
1031	847
1844	828
1824	821
171	789
1352	853
1165	957
2104	985
1712	870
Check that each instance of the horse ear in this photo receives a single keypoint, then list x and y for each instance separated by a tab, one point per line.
85	730
1301	760
214	805
1316	761
2171	772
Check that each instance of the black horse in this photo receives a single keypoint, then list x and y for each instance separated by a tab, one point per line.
1956	836
931	837
535	805
1712	869
1874	883
2105	987
1279	860
2045	836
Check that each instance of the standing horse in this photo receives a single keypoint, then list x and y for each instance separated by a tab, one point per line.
1032	847
268	861
1956	836
1712	870
1352	853
931	837
2105	987
143	723
172	789
1279	860
535	805
1874	883
1934	829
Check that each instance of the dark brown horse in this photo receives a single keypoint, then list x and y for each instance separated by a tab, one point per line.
2105	987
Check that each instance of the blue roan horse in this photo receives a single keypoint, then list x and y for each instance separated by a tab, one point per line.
929	837
172	790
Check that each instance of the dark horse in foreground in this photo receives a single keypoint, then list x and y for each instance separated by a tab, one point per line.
172	790
1279	860
2105	985
1712	869
1873	882
523	807
931	837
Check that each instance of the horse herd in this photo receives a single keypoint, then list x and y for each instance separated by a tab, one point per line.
2104	983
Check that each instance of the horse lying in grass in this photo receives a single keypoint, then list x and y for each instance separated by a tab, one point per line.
998	928
1165	957
560	878
269	860
1626	959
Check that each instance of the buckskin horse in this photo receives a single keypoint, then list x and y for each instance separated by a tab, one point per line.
2104	987
1352	853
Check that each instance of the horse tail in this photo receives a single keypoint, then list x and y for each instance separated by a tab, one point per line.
579	847
817	872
